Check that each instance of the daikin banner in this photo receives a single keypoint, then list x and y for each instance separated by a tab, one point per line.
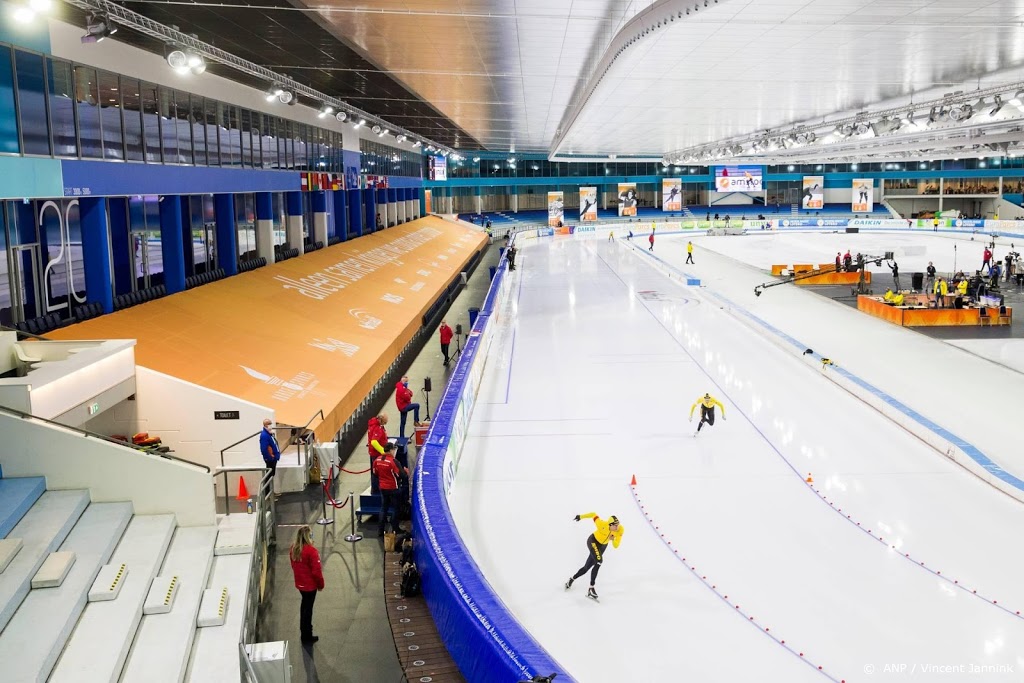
814	192
588	204
556	208
863	194
738	178
671	194
628	199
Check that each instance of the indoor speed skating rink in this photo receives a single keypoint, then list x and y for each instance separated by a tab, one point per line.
894	564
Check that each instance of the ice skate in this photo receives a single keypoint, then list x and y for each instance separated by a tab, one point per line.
592	594
568	584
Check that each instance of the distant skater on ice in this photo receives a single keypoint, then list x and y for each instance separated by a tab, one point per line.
707	411
596	545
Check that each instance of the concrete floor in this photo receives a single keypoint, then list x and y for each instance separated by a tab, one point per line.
355	644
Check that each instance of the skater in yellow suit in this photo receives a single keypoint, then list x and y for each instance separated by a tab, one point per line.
707	411
607	529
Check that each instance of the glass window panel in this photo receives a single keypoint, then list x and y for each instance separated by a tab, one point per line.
62	109
197	121
151	121
86	97
245	135
183	126
131	109
110	116
269	141
301	160
8	119
212	135
245	225
35	131
277	204
228	152
168	120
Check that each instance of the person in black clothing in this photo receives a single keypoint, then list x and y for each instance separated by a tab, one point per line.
511	255
930	276
895	267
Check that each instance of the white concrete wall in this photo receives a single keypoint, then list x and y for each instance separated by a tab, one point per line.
111	473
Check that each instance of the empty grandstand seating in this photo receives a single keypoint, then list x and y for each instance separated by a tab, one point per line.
58	634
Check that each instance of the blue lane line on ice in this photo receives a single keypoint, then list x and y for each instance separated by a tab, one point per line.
955	583
725	598
970	449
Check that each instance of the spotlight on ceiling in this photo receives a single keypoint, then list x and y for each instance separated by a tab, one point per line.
417	143
908	119
382	133
273	93
997	105
861	128
961	112
400	138
178	60
325	111
195	62
97	27
360	123
286	97
376	129
476	159
341	116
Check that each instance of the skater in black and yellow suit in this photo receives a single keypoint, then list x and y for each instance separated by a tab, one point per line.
607	529
707	410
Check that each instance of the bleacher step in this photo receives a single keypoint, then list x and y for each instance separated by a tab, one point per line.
99	646
9	547
163	641
213	608
161	595
107	585
210	661
17	495
34	638
53	570
233	542
42	529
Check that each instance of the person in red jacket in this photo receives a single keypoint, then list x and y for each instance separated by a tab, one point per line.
986	257
309	578
403	399
388	472
376	439
651	240
446	339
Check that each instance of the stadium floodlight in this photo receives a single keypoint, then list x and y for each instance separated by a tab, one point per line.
273	93
97	27
961	112
359	124
341	116
287	97
382	133
997	105
377	129
861	128
417	143
325	111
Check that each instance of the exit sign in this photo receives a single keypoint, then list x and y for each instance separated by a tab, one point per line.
225	415
94	408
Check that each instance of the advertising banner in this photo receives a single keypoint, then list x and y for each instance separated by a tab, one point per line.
863	194
671	194
814	192
439	168
428	201
556	208
588	204
738	178
628	199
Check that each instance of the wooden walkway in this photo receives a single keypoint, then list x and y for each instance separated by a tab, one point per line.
422	654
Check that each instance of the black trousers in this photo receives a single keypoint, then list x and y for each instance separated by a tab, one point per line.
306	614
272	466
595	556
388	503
444	350
706	415
689	257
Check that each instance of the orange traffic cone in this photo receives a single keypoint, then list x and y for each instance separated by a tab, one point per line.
810	479
633	483
243	493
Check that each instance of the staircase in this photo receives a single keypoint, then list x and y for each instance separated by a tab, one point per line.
794	210
89	624
688	213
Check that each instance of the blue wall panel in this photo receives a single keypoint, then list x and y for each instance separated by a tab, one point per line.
96	251
111	179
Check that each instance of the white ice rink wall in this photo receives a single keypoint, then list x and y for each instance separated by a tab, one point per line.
484	639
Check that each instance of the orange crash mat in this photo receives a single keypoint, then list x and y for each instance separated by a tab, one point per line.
310	333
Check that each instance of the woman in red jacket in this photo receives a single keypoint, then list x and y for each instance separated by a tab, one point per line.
446	340
309	578
376	439
403	399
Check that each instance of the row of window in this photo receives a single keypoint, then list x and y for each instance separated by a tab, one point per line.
378	158
51	107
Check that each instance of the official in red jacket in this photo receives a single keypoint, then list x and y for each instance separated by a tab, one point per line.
446	339
309	578
388	473
376	439
403	399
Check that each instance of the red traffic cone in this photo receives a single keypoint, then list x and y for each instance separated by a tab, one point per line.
633	483
243	493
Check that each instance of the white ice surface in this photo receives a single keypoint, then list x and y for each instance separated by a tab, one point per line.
590	384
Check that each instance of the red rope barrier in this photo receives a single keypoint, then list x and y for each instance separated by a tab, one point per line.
351	472
327	491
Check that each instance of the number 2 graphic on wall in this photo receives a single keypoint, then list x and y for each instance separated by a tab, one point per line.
65	245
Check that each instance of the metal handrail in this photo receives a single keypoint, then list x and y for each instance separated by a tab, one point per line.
85	432
265	534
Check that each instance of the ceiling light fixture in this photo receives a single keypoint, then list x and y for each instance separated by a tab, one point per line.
325	111
997	105
361	122
376	129
97	27
273	93
341	116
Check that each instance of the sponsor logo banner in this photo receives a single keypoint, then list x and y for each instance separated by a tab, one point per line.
628	199
671	194
556	208
588	204
863	191
814	192
738	178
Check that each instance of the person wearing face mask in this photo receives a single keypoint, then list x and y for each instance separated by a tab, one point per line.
403	399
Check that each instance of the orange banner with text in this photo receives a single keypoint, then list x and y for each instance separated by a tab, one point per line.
311	333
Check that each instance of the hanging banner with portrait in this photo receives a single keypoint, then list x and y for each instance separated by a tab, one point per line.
628	199
556	208
588	204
